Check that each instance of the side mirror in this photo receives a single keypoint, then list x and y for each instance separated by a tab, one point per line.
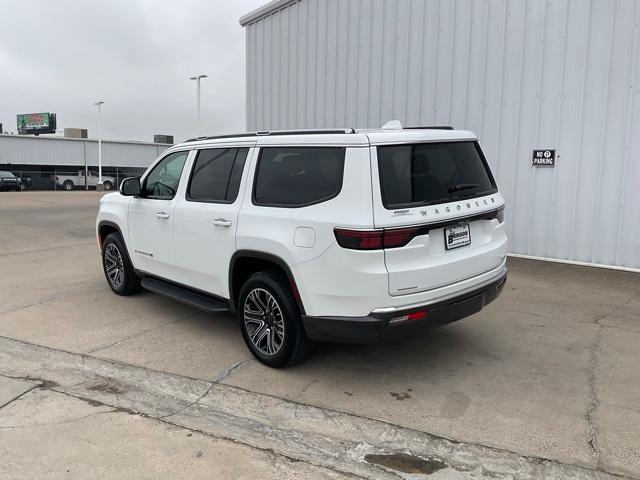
130	187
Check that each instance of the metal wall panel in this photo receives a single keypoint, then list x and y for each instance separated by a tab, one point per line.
522	74
28	150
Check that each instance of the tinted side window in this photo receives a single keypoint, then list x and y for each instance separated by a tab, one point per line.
431	173
216	175
298	176
162	182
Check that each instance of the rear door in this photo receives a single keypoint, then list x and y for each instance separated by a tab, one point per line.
441	211
206	217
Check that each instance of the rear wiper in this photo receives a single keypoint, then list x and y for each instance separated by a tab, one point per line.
462	186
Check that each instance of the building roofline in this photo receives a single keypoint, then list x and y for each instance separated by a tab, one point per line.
54	137
265	10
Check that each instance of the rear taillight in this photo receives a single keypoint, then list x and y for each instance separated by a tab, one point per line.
374	239
398	237
359	239
500	215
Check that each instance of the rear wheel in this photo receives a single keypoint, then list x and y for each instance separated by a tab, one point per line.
270	320
118	269
107	185
68	185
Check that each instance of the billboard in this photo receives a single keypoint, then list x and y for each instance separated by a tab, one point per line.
36	123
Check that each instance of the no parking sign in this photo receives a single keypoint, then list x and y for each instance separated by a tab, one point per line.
544	158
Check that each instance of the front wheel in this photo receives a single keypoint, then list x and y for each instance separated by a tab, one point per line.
270	320
118	269
107	185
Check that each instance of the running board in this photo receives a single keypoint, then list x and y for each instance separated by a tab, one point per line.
185	295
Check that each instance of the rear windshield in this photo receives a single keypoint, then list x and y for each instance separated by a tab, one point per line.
432	173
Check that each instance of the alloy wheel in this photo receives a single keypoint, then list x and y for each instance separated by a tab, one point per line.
114	265
263	321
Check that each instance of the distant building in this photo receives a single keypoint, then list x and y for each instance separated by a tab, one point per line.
163	139
559	77
41	157
75	133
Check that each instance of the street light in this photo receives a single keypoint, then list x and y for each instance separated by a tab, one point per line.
99	105
197	78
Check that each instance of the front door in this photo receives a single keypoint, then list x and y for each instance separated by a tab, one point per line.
206	218
151	218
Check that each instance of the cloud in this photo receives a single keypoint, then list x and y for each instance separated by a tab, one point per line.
136	55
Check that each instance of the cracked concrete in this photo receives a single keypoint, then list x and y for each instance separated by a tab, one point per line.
592	367
593	405
320	437
52	435
231	370
132	336
549	366
13	388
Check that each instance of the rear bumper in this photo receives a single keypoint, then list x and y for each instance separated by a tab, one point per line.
377	326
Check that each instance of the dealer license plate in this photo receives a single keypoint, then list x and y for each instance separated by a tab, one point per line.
457	236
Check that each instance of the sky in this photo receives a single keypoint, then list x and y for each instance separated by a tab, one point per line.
135	55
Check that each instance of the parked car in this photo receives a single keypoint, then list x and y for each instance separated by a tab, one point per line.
69	182
328	235
26	181
8	181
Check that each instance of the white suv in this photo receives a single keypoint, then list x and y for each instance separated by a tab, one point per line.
331	235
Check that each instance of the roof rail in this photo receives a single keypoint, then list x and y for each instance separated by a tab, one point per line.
228	135
312	131
431	127
264	133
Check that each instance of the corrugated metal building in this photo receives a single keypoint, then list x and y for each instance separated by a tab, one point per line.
39	157
522	74
46	151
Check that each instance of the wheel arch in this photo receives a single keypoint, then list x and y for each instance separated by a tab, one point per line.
105	227
246	262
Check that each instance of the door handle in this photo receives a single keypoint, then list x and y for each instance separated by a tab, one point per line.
162	215
223	222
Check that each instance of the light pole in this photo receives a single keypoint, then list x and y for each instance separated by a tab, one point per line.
197	78
99	105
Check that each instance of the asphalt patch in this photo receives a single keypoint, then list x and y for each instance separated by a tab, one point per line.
405	463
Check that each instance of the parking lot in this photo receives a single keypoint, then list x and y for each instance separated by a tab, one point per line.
545	378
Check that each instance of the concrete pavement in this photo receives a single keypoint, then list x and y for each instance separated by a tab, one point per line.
46	434
550	370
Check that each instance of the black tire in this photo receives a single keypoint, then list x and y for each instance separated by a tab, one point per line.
125	281
294	345
68	185
107	185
